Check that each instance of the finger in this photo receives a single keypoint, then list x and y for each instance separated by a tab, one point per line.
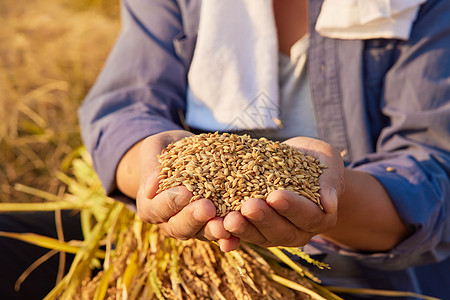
150	166
274	227
164	205
239	227
301	212
330	183
213	230
332	178
229	244
190	220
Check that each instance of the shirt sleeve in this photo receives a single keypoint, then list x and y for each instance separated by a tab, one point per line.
412	160
141	89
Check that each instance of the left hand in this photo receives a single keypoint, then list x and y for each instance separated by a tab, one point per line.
170	210
285	218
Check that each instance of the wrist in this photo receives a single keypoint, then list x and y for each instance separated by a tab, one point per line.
128	173
367	218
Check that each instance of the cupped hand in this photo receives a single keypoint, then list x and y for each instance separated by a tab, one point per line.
285	218
170	209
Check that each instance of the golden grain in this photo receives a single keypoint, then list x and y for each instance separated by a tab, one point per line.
228	169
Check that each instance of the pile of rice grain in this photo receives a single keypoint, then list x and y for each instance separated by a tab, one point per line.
229	169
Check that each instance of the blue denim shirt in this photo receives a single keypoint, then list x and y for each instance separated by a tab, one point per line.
385	103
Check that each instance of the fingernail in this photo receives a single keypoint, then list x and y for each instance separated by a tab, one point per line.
179	199
231	226
224	246
256	215
228	245
201	216
279	204
221	245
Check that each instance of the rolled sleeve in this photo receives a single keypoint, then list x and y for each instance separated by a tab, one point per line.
419	191
141	89
118	131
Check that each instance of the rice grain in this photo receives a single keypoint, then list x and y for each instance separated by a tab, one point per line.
229	169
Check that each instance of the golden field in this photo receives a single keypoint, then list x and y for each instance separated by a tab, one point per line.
50	55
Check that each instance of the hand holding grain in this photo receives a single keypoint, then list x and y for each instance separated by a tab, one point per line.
171	209
286	218
267	181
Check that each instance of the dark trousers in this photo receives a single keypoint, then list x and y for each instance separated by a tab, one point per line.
16	256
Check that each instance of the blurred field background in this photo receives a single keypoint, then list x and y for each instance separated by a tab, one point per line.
51	52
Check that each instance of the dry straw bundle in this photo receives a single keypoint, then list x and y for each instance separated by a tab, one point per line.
148	265
136	261
229	169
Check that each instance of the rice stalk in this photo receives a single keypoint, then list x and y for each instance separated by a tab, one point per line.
296	267
294	286
44	206
49	243
100	292
174	271
36	192
305	257
32	267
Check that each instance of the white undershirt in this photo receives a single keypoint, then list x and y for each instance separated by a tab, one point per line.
296	109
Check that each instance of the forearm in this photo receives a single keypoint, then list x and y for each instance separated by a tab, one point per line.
128	175
367	218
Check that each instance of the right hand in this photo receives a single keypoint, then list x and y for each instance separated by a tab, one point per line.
170	209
